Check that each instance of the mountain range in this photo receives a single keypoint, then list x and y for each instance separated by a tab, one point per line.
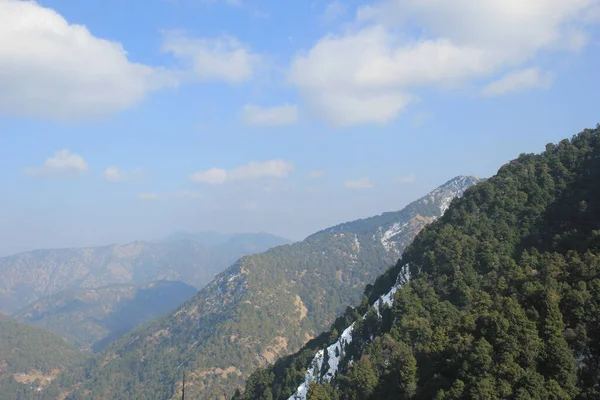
192	259
263	306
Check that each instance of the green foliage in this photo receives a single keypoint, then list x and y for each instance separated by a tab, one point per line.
264	306
504	297
33	352
92	318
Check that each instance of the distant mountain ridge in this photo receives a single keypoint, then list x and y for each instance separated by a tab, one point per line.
29	276
263	306
92	318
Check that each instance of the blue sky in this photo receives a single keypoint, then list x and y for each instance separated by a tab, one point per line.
131	120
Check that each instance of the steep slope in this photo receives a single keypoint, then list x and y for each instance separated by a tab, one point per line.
92	318
30	276
500	298
30	359
264	306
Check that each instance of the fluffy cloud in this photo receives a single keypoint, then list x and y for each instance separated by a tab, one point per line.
369	73
63	164
51	68
410	178
55	69
115	174
215	59
252	171
272	116
518	81
213	176
359	184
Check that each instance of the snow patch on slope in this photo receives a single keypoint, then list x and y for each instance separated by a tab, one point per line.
444	195
356	243
386	237
335	353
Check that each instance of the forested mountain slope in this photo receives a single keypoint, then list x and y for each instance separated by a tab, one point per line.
30	359
92	318
503	299
264	306
27	277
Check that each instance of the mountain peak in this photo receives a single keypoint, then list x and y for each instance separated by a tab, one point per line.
444	194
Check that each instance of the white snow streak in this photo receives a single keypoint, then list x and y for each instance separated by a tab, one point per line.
337	350
390	233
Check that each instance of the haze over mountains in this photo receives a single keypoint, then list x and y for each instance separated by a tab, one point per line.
193	259
92	318
263	306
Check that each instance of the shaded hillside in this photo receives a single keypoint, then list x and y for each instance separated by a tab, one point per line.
30	276
92	318
503	299
264	306
30	359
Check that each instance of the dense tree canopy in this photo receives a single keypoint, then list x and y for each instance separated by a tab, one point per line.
503	302
34	357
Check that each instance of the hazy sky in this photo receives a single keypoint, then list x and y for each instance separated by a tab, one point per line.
123	120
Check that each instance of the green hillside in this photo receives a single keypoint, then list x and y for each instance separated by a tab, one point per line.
92	318
503	300
264	306
31	360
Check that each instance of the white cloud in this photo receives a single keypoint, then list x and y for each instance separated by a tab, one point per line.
410	178
51	68
518	81
115	174
213	176
213	59
359	184
271	116
184	194
252	171
257	170
333	11
368	74
63	164
315	174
